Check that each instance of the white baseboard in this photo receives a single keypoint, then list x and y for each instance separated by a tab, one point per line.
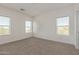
41	36
13	39
48	38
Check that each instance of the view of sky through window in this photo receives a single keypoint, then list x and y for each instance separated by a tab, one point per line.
4	20
62	21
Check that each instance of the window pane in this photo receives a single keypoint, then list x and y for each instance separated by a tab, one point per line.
63	30
63	26
28	25
4	20
4	25
4	30
62	21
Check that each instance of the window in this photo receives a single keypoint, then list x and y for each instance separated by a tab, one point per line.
4	25
63	26
28	26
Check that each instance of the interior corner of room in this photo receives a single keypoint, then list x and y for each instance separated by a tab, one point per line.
54	22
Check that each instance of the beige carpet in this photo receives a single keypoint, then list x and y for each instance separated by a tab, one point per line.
36	46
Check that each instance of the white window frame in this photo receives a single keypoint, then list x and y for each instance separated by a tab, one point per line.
30	28
63	26
8	26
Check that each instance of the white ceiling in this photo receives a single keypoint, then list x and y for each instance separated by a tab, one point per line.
34	9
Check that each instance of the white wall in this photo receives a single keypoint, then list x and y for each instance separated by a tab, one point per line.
17	26
77	24
46	25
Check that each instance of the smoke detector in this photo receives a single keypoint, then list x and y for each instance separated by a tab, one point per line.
22	9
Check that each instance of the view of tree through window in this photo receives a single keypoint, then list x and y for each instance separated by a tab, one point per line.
4	25
28	26
63	26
